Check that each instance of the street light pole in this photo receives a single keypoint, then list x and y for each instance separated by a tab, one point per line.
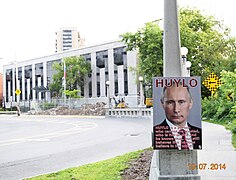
188	65
184	52
17	81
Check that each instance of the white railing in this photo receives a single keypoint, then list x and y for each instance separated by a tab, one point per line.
129	112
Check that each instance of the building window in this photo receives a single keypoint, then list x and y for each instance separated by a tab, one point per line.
120	58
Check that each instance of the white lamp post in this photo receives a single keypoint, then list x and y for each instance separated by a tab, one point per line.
17	81
188	65
108	94
141	104
184	52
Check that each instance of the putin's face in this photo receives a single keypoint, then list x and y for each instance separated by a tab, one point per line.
177	103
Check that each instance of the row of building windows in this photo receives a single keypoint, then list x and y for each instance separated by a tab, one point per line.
120	58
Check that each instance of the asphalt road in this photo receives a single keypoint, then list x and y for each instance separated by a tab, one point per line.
33	145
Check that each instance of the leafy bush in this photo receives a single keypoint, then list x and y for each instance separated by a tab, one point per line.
220	107
208	107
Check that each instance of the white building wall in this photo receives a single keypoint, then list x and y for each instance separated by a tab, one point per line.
102	82
9	91
23	83
111	72
39	93
28	88
121	82
86	87
94	74
132	92
131	98
33	82
13	86
4	84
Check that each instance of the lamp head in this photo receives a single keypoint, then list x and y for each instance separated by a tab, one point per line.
140	78
184	51
188	64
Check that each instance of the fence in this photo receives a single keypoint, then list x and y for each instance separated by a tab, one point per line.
72	103
76	103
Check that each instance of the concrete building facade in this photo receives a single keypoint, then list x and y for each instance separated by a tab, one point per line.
109	62
68	38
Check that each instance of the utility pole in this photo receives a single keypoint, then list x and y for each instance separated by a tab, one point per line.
172	164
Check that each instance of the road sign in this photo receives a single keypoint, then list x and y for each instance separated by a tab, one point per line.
18	92
230	96
212	82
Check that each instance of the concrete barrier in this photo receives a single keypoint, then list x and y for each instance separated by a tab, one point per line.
129	112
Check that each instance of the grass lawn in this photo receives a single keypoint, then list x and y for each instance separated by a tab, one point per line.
110	169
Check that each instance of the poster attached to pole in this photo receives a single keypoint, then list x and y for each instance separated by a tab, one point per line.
177	113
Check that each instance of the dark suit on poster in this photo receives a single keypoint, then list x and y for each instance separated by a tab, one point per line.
163	136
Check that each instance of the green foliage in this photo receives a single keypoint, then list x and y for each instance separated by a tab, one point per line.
104	170
76	69
208	107
72	94
211	49
221	107
148	41
208	41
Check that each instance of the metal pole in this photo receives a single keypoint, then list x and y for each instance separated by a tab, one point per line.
17	82
184	52
171	44
164	160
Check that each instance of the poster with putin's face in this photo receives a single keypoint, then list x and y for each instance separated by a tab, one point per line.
177	113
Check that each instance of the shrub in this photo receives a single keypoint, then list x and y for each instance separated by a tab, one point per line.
220	107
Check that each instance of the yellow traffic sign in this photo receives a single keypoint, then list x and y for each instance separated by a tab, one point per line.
18	92
230	96
212	82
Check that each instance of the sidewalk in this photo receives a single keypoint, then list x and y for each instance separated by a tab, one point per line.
217	149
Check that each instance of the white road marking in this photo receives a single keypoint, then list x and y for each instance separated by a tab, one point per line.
78	127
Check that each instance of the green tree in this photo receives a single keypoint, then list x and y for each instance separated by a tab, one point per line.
208	41
222	106
76	69
73	93
148	41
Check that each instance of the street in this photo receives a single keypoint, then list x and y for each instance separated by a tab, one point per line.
33	145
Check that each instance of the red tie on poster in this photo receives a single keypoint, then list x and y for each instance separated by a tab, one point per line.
184	144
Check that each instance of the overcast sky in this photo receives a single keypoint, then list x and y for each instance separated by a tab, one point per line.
28	26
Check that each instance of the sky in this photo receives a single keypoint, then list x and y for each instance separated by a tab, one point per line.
28	27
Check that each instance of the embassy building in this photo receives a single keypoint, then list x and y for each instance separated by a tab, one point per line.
110	62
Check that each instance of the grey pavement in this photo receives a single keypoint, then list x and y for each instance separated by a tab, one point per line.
217	149
34	145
